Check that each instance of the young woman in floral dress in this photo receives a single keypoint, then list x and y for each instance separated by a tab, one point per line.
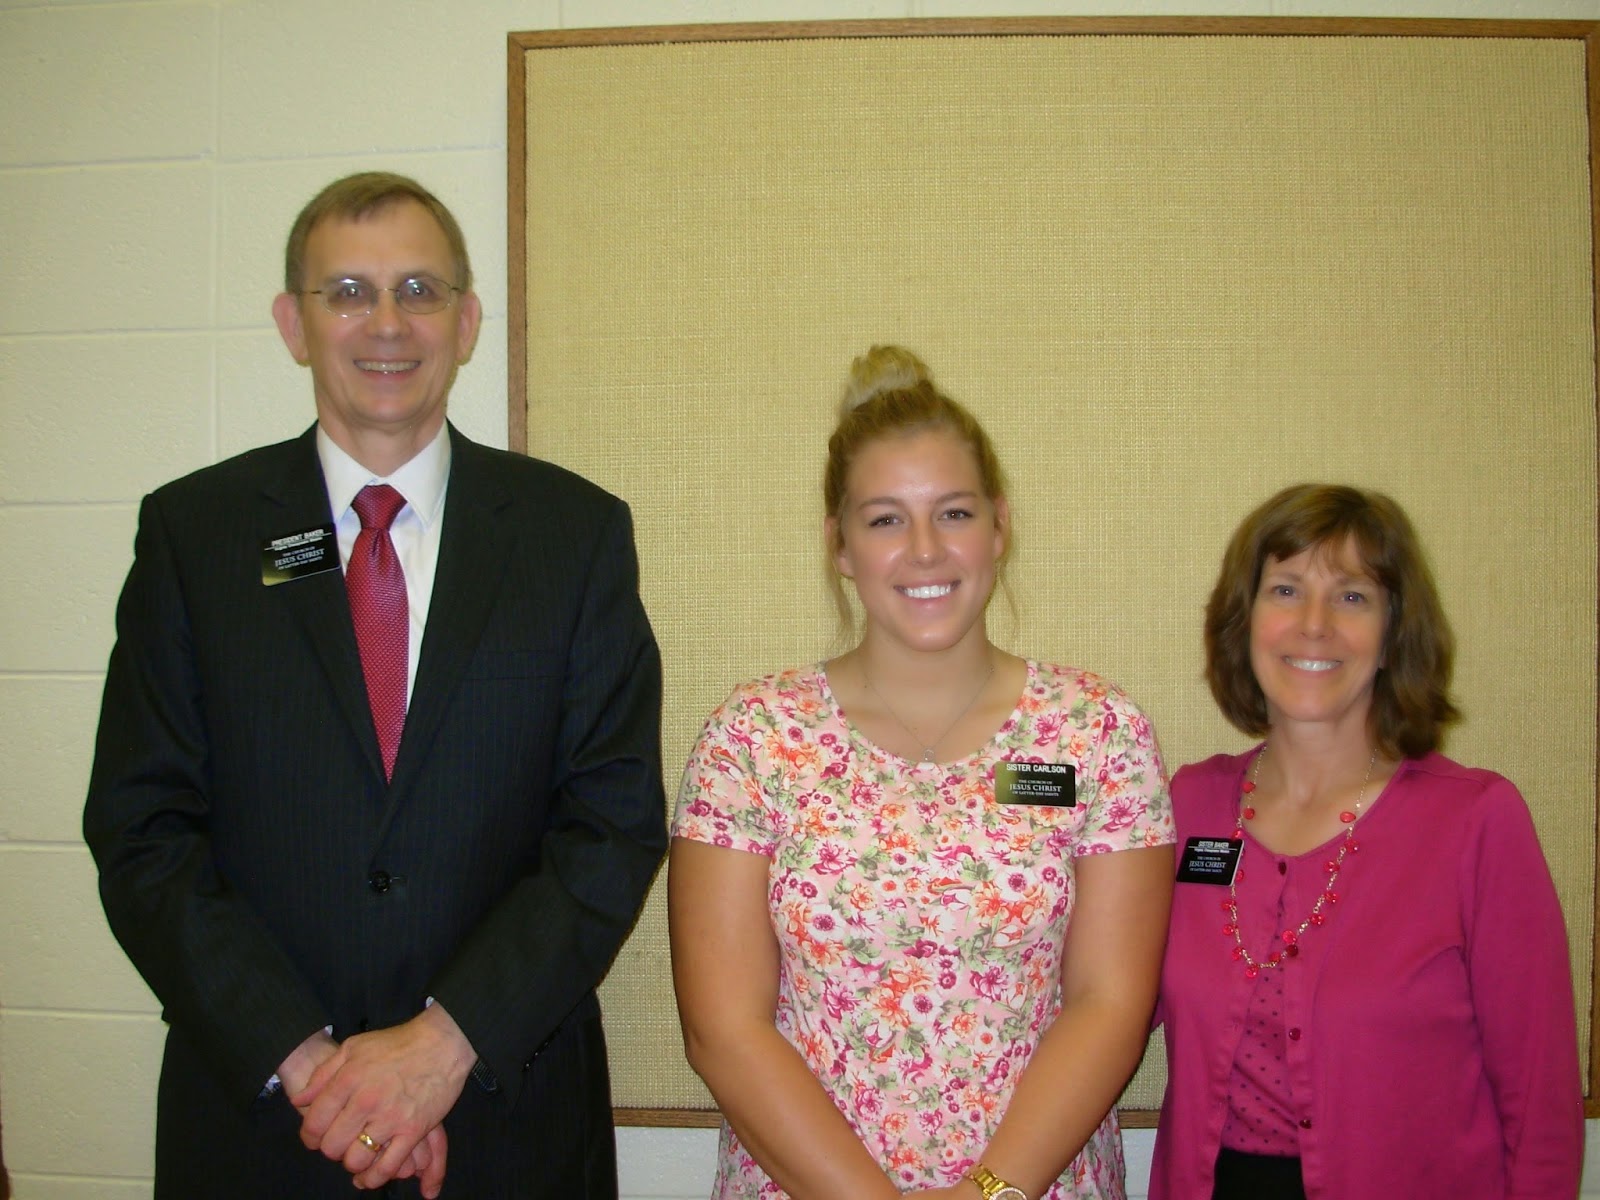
919	892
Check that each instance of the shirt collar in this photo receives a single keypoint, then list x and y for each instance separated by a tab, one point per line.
421	481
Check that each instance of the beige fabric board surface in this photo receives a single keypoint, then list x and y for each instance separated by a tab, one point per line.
1171	274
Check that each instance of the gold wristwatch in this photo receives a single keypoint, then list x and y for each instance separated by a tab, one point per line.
993	1187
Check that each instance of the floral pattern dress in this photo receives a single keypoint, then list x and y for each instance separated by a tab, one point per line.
920	923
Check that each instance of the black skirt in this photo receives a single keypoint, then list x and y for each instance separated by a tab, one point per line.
1243	1176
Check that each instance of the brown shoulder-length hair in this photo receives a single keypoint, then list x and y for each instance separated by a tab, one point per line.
1410	696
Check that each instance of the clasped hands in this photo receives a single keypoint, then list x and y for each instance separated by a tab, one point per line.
374	1102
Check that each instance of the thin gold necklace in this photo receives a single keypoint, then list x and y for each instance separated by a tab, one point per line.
929	747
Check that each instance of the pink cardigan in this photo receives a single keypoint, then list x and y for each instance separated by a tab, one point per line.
1432	1047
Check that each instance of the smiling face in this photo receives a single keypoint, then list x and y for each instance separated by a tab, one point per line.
1317	632
920	539
387	374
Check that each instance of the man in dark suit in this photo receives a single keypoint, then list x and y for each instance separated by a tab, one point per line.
373	841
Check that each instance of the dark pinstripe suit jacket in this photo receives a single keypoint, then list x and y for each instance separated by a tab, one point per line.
266	881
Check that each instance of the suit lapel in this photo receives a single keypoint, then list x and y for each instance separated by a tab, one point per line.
474	546
296	499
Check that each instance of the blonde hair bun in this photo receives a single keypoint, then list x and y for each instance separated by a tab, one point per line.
881	369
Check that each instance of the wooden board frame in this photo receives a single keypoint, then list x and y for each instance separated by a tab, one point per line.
521	46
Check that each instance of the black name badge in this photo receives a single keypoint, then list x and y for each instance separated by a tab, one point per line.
309	552
1209	860
1054	785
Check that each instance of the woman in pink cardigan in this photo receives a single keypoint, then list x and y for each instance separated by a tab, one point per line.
1366	991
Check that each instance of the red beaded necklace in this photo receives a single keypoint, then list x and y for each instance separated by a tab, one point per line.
1289	937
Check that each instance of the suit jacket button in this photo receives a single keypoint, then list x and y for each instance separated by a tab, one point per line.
379	881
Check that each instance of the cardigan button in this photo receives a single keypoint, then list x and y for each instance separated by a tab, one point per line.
1305	1122
380	881
1294	1034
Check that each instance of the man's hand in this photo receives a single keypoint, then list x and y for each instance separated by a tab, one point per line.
295	1074
427	1162
394	1086
295	1071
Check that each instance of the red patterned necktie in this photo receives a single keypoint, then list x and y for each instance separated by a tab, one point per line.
377	588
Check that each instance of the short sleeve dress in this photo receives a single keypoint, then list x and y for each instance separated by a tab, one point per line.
920	923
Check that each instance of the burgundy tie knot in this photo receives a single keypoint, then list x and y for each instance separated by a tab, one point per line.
376	584
377	505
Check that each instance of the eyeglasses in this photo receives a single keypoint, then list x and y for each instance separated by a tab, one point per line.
419	295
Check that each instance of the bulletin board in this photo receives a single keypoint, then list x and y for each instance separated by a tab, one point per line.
1172	266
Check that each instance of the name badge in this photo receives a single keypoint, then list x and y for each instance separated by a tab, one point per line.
295	555
1053	785
1209	860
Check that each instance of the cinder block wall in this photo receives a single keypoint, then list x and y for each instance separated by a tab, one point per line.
152	155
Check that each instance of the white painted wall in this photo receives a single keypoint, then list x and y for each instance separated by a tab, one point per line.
152	156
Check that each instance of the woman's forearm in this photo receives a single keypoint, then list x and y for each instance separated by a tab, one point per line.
725	968
1111	965
784	1117
1080	1067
